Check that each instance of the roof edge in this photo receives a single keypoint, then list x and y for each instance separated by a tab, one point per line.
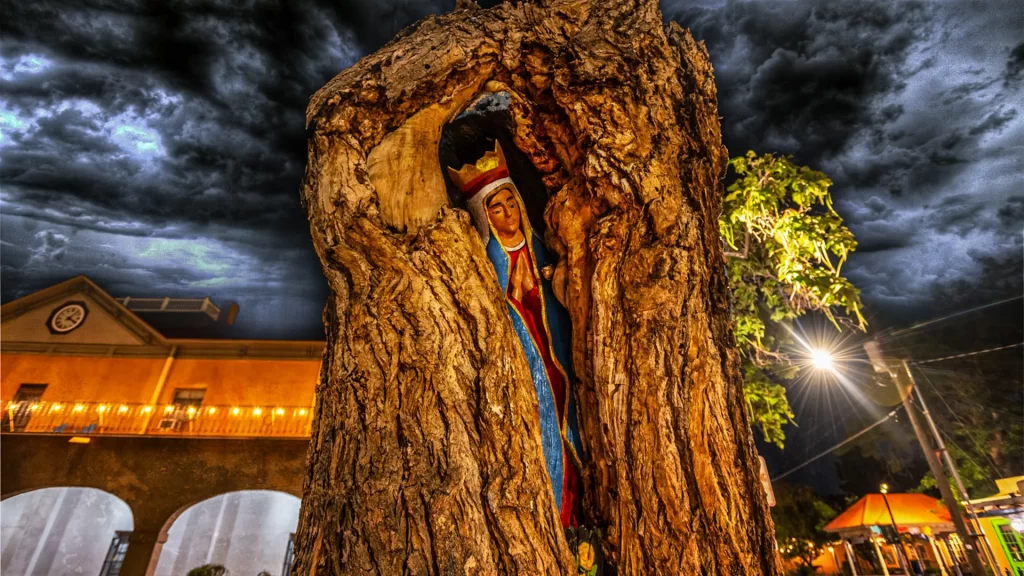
138	326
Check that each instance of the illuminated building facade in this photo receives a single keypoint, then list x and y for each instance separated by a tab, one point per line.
148	401
1002	519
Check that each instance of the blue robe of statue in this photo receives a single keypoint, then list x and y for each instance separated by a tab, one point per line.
555	439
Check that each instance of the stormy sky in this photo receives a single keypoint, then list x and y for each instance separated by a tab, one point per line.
158	147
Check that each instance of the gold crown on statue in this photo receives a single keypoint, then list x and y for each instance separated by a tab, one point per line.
472	177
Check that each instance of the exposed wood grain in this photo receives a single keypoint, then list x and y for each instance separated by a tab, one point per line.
426	453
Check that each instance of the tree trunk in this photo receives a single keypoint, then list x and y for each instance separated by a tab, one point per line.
426	455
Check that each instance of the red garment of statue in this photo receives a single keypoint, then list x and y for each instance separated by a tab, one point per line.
532	312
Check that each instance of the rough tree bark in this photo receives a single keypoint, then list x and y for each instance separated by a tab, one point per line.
426	455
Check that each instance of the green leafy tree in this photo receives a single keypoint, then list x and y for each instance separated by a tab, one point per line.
799	518
978	479
787	249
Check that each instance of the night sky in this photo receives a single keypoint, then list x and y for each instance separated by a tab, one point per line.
158	147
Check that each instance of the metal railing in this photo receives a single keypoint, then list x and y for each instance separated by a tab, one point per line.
171	305
84	418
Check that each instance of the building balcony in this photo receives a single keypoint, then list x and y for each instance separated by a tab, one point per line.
118	419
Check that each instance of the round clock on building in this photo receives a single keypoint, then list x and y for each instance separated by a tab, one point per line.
66	317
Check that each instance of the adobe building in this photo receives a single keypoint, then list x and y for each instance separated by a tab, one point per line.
1001	516
142	413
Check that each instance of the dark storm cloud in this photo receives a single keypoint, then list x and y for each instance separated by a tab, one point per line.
911	107
956	214
159	146
163	143
52	246
1015	65
202	112
1011	215
992	123
798	77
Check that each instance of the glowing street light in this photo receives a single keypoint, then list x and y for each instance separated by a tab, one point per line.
827	355
822	359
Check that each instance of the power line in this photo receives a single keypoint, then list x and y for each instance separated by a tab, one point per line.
967	430
968	456
965	354
837	446
954	315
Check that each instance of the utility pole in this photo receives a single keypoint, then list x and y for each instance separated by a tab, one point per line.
905	384
898	544
937	436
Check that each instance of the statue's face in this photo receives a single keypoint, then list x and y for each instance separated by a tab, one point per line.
503	212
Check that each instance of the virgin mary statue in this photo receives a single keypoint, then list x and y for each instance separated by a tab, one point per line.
542	324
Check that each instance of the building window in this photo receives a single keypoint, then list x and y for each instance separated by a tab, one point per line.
19	411
184	408
185	397
115	554
889	555
289	556
1011	542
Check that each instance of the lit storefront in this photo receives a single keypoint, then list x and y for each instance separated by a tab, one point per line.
896	533
1002	519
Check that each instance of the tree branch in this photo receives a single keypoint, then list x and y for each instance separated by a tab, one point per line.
743	253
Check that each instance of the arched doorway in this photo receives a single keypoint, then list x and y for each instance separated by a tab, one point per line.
58	531
246	531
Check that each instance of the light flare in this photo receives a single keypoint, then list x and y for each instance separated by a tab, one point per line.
822	359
